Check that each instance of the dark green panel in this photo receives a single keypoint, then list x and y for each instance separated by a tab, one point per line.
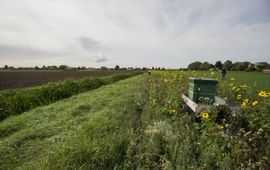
201	89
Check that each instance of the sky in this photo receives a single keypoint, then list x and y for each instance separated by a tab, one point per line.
133	33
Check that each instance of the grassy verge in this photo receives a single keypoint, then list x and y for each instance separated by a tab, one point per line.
19	101
88	131
171	138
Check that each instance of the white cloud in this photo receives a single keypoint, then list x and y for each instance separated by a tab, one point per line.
165	33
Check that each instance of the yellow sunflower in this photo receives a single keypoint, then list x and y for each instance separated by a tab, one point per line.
238	97
262	94
255	103
205	115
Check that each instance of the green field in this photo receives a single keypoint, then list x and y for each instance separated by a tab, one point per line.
261	80
138	123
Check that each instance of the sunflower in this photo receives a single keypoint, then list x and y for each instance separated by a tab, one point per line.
255	103
246	100
244	104
238	97
263	94
205	115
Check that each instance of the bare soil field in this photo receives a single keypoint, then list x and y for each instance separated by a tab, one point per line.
22	79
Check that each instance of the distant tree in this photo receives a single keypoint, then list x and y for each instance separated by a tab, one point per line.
11	67
63	67
228	65
242	66
260	66
44	68
117	67
212	66
103	68
218	65
205	66
52	67
195	65
6	67
36	68
153	68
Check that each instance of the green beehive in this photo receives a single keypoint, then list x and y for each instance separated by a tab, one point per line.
202	90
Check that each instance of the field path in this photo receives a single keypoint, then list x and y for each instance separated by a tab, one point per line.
85	131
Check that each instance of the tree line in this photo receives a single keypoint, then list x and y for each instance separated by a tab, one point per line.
229	66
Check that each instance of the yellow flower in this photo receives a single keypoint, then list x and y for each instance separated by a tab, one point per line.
231	84
212	73
205	115
246	100
255	103
239	96
244	104
263	94
233	88
220	127
244	86
237	90
174	110
232	79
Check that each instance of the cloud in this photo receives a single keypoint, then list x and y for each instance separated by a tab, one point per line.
101	58
26	52
88	43
164	33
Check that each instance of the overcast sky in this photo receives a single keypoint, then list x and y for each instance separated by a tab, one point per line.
160	33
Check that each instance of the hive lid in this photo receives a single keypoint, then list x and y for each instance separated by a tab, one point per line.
203	80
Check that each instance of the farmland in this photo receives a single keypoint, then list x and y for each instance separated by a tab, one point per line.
138	123
21	79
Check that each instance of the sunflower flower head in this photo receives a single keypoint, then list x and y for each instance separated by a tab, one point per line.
254	103
243	104
262	94
238	97
205	115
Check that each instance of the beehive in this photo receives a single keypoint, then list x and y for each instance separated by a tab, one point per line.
202	90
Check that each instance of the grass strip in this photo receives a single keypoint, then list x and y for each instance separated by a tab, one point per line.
88	131
18	101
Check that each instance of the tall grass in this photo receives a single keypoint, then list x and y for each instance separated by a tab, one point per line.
17	102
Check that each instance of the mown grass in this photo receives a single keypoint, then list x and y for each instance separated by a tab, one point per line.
19	101
86	131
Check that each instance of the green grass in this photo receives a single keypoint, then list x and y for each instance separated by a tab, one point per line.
87	131
18	101
261	80
131	125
